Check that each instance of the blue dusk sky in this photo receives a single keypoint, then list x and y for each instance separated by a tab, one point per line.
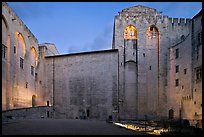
86	26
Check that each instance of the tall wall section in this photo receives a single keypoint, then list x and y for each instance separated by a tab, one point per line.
84	85
150	57
19	62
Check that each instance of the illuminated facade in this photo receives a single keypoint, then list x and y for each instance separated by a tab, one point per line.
153	70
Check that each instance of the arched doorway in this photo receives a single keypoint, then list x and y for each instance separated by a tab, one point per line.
171	114
33	100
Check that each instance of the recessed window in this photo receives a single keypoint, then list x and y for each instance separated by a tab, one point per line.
198	73
21	62
143	54
26	84
4	50
32	70
177	82
194	102
177	53
185	71
14	49
150	67
182	87
177	68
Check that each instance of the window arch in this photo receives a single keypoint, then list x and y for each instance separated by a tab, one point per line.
130	33
33	56
5	31
152	32
20	44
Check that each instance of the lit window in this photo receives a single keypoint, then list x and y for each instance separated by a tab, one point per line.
177	68
32	70
177	53
21	62
177	82
130	33
4	49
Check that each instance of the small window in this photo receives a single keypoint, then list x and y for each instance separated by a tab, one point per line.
198	73
185	71
194	102
4	50
26	84
177	68
177	53
32	70
14	49
21	62
177	82
150	67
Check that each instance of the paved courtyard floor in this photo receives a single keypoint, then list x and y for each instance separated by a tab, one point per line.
63	127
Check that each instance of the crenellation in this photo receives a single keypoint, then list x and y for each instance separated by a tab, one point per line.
175	21
181	21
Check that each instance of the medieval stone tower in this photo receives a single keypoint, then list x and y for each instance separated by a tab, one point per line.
142	37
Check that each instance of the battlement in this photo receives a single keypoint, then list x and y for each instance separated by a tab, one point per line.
179	21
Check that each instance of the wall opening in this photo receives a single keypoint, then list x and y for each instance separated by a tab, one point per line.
33	100
171	114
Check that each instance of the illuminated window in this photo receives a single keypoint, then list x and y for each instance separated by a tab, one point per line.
177	68
21	62
4	50
32	70
177	53
130	33
177	82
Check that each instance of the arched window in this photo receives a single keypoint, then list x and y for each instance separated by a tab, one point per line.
20	44
152	32
130	33
33	56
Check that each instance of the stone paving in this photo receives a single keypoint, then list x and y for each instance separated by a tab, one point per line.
63	127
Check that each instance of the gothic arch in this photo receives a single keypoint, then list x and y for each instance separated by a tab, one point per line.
34	56
20	44
130	33
5	31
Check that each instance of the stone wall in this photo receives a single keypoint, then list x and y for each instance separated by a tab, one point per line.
28	113
84	85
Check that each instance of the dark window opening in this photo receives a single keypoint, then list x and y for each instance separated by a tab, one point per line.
185	70
21	62
26	84
32	70
143	54
171	114
182	87
150	67
177	53
48	103
194	102
151	28
4	50
87	112
177	68
14	49
177	82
